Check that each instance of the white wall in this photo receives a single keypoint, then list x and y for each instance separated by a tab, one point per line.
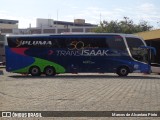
44	22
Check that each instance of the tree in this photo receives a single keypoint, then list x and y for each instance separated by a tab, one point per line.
124	26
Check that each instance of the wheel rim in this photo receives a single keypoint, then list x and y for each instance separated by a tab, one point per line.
123	71
49	72
35	70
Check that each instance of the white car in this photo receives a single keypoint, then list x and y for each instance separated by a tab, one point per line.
155	67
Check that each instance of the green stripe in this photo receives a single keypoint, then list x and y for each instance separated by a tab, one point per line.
41	63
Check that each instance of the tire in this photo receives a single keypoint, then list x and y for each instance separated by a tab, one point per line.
35	71
123	71
49	71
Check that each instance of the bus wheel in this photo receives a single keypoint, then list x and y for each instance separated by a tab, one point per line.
123	71
35	71
49	71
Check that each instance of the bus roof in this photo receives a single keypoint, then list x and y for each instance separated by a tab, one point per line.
70	34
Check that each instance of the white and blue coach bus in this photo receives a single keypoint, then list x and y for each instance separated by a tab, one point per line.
76	53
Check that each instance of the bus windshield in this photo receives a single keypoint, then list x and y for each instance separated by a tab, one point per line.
136	51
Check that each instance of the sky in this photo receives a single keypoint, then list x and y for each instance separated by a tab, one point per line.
93	11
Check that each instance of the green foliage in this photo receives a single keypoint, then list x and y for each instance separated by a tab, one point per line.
124	26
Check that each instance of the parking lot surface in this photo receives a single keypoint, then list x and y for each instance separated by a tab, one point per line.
80	92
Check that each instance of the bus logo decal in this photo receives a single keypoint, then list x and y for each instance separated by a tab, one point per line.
32	43
19	43
82	52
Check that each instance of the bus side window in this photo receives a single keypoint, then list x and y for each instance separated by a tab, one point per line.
55	43
116	43
98	42
61	42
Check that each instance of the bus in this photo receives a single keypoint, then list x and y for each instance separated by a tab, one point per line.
76	53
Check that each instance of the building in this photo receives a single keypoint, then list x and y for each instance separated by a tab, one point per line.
49	26
2	53
152	38
8	26
46	26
